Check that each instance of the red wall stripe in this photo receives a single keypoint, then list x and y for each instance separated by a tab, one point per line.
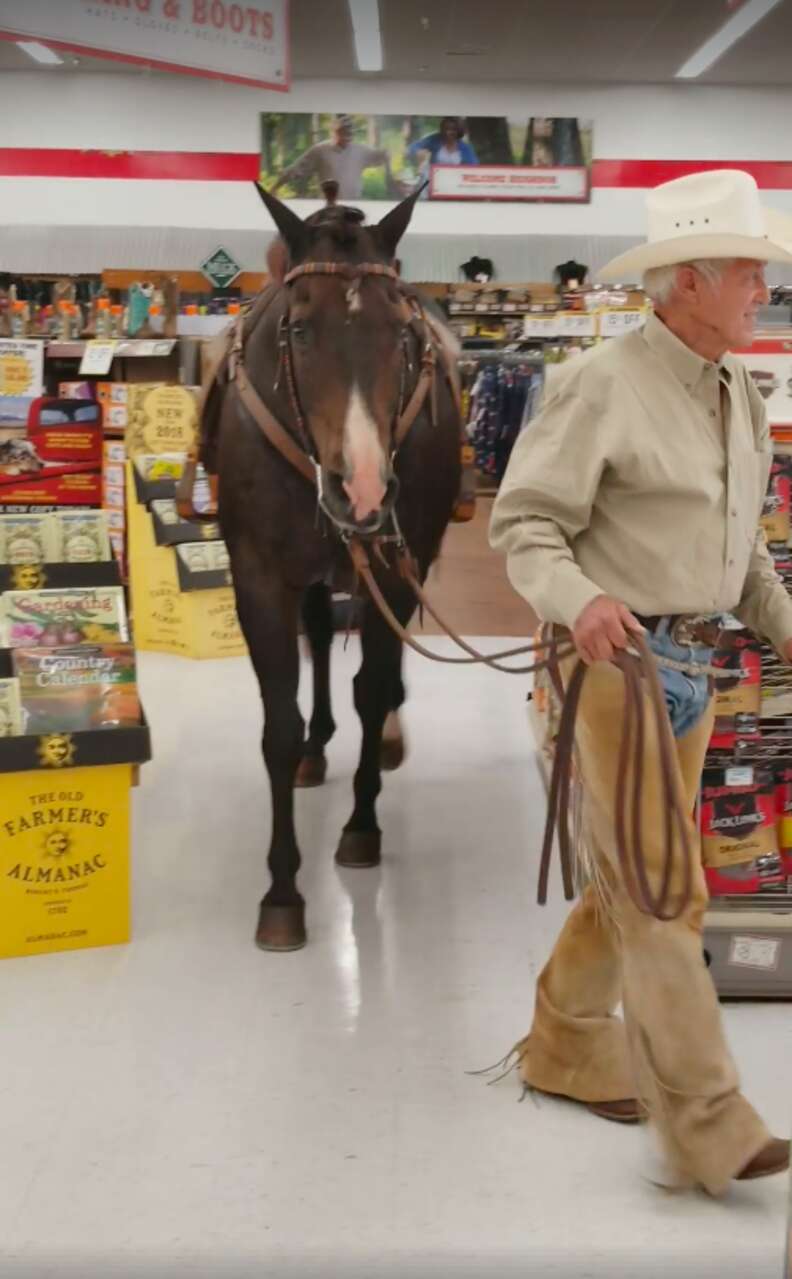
770	175
243	166
195	166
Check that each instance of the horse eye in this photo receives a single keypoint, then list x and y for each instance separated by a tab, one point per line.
299	330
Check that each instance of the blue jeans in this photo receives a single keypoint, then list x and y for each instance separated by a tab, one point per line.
687	696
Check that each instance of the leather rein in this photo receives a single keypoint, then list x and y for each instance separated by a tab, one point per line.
639	667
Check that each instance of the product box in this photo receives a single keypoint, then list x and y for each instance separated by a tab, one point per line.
192	622
77	391
64	856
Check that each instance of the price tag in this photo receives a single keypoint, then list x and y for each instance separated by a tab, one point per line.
755	952
617	323
539	326
97	358
740	776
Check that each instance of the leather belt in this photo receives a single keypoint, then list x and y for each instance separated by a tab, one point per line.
685	630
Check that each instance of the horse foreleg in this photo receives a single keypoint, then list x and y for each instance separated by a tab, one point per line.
268	615
376	685
317	614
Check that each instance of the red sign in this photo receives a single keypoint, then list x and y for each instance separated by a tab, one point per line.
247	43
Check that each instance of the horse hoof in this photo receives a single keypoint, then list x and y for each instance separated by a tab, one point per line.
359	848
281	927
393	750
311	772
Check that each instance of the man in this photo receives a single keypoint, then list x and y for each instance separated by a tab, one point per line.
341	160
632	502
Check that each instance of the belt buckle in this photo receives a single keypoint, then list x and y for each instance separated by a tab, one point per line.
683	631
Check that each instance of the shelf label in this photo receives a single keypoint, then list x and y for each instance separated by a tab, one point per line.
97	358
755	952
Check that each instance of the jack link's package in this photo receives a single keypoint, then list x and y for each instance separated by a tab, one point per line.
776	508
783	776
739	842
738	700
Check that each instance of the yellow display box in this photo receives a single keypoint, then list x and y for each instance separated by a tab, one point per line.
64	857
167	618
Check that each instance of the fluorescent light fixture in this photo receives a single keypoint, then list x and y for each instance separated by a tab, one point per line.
368	36
40	53
738	25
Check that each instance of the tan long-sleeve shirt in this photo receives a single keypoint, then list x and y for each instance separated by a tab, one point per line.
643	478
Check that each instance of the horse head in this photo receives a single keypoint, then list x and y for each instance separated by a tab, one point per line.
347	330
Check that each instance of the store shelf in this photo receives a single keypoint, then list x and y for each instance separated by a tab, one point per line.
125	348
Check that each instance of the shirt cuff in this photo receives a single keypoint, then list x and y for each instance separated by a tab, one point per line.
564	596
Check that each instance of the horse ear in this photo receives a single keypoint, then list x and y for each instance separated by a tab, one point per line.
290	226
392	227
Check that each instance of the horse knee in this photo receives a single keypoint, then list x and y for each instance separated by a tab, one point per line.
284	733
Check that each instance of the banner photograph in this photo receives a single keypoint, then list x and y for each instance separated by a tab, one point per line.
385	157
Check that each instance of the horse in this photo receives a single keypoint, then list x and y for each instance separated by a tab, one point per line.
313	450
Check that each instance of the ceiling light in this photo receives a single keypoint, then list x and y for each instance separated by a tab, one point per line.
368	36
40	53
738	25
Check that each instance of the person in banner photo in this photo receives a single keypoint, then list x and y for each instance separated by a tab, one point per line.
633	505
446	145
340	160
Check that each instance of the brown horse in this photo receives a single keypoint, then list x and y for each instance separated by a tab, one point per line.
335	354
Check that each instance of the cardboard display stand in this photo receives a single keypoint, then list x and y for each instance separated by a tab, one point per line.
172	616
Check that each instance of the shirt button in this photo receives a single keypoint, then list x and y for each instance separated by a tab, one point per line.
712	413
731	563
734	512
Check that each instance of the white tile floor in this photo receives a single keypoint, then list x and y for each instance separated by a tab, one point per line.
189	1106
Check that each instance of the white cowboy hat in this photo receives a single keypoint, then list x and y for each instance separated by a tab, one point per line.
715	214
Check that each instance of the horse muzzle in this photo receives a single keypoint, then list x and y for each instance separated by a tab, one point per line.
335	501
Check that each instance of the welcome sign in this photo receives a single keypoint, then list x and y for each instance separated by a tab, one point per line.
247	43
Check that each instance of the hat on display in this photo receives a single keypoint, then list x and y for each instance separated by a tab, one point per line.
715	214
478	270
571	273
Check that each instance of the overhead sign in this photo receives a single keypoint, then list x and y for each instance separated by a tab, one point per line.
221	269
247	43
500	182
385	157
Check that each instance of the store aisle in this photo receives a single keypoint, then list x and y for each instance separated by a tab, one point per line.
189	1106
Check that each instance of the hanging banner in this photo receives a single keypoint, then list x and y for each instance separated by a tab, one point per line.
385	157
245	43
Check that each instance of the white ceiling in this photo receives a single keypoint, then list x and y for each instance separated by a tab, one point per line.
611	41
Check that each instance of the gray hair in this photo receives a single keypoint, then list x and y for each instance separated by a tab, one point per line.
659	284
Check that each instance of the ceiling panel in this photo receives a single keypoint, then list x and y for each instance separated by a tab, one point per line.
548	41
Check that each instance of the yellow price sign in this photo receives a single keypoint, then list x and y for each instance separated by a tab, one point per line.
170	420
16	375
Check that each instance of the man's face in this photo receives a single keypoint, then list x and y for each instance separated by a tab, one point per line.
729	307
342	135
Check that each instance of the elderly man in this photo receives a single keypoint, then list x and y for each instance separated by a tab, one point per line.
342	160
633	502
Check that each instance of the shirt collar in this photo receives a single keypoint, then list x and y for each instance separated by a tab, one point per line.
686	365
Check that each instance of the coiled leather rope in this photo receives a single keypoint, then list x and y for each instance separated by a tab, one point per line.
642	685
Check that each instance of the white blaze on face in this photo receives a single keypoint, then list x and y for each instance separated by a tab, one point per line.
364	458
